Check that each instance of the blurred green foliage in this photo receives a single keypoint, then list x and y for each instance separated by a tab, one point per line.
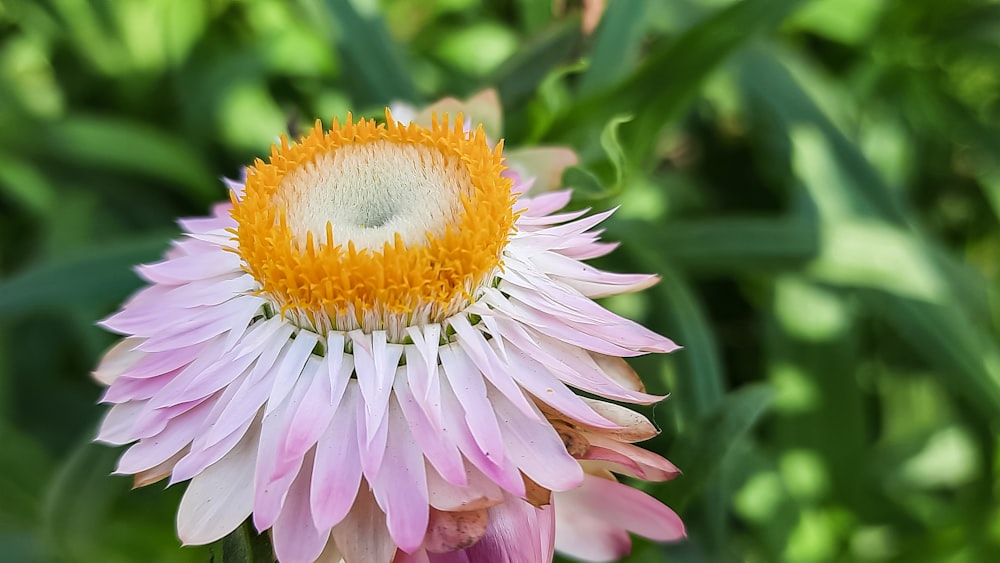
817	182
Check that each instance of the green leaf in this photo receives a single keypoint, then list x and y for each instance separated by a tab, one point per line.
552	101
616	45
378	72
588	182
702	451
25	184
727	244
98	275
674	71
518	78
127	146
245	545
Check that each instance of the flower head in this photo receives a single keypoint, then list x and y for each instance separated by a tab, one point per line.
374	349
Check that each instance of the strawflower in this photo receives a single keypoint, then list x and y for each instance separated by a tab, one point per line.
374	351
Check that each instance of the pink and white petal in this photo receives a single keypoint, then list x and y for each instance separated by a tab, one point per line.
231	318
152	421
330	553
337	469
290	367
212	291
220	498
597	458
315	411
535	377
177	435
502	472
466	381
485	358
589	539
422	368
254	391
536	448
375	361
129	389
654	466
440	450
159	363
587	279
554	325
603	505
296	539
190	268
401	485
201	454
158	473
570	364
273	477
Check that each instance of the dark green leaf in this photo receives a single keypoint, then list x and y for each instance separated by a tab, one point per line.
122	145
704	449
100	275
377	72
244	545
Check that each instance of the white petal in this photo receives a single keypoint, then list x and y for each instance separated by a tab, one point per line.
220	498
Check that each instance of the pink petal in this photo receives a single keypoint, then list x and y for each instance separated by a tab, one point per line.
654	467
602	508
190	268
317	407
517	532
544	204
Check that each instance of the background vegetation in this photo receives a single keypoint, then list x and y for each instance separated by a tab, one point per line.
817	181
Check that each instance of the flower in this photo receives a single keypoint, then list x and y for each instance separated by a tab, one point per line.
372	351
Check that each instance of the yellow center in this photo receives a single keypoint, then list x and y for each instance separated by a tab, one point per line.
377	226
